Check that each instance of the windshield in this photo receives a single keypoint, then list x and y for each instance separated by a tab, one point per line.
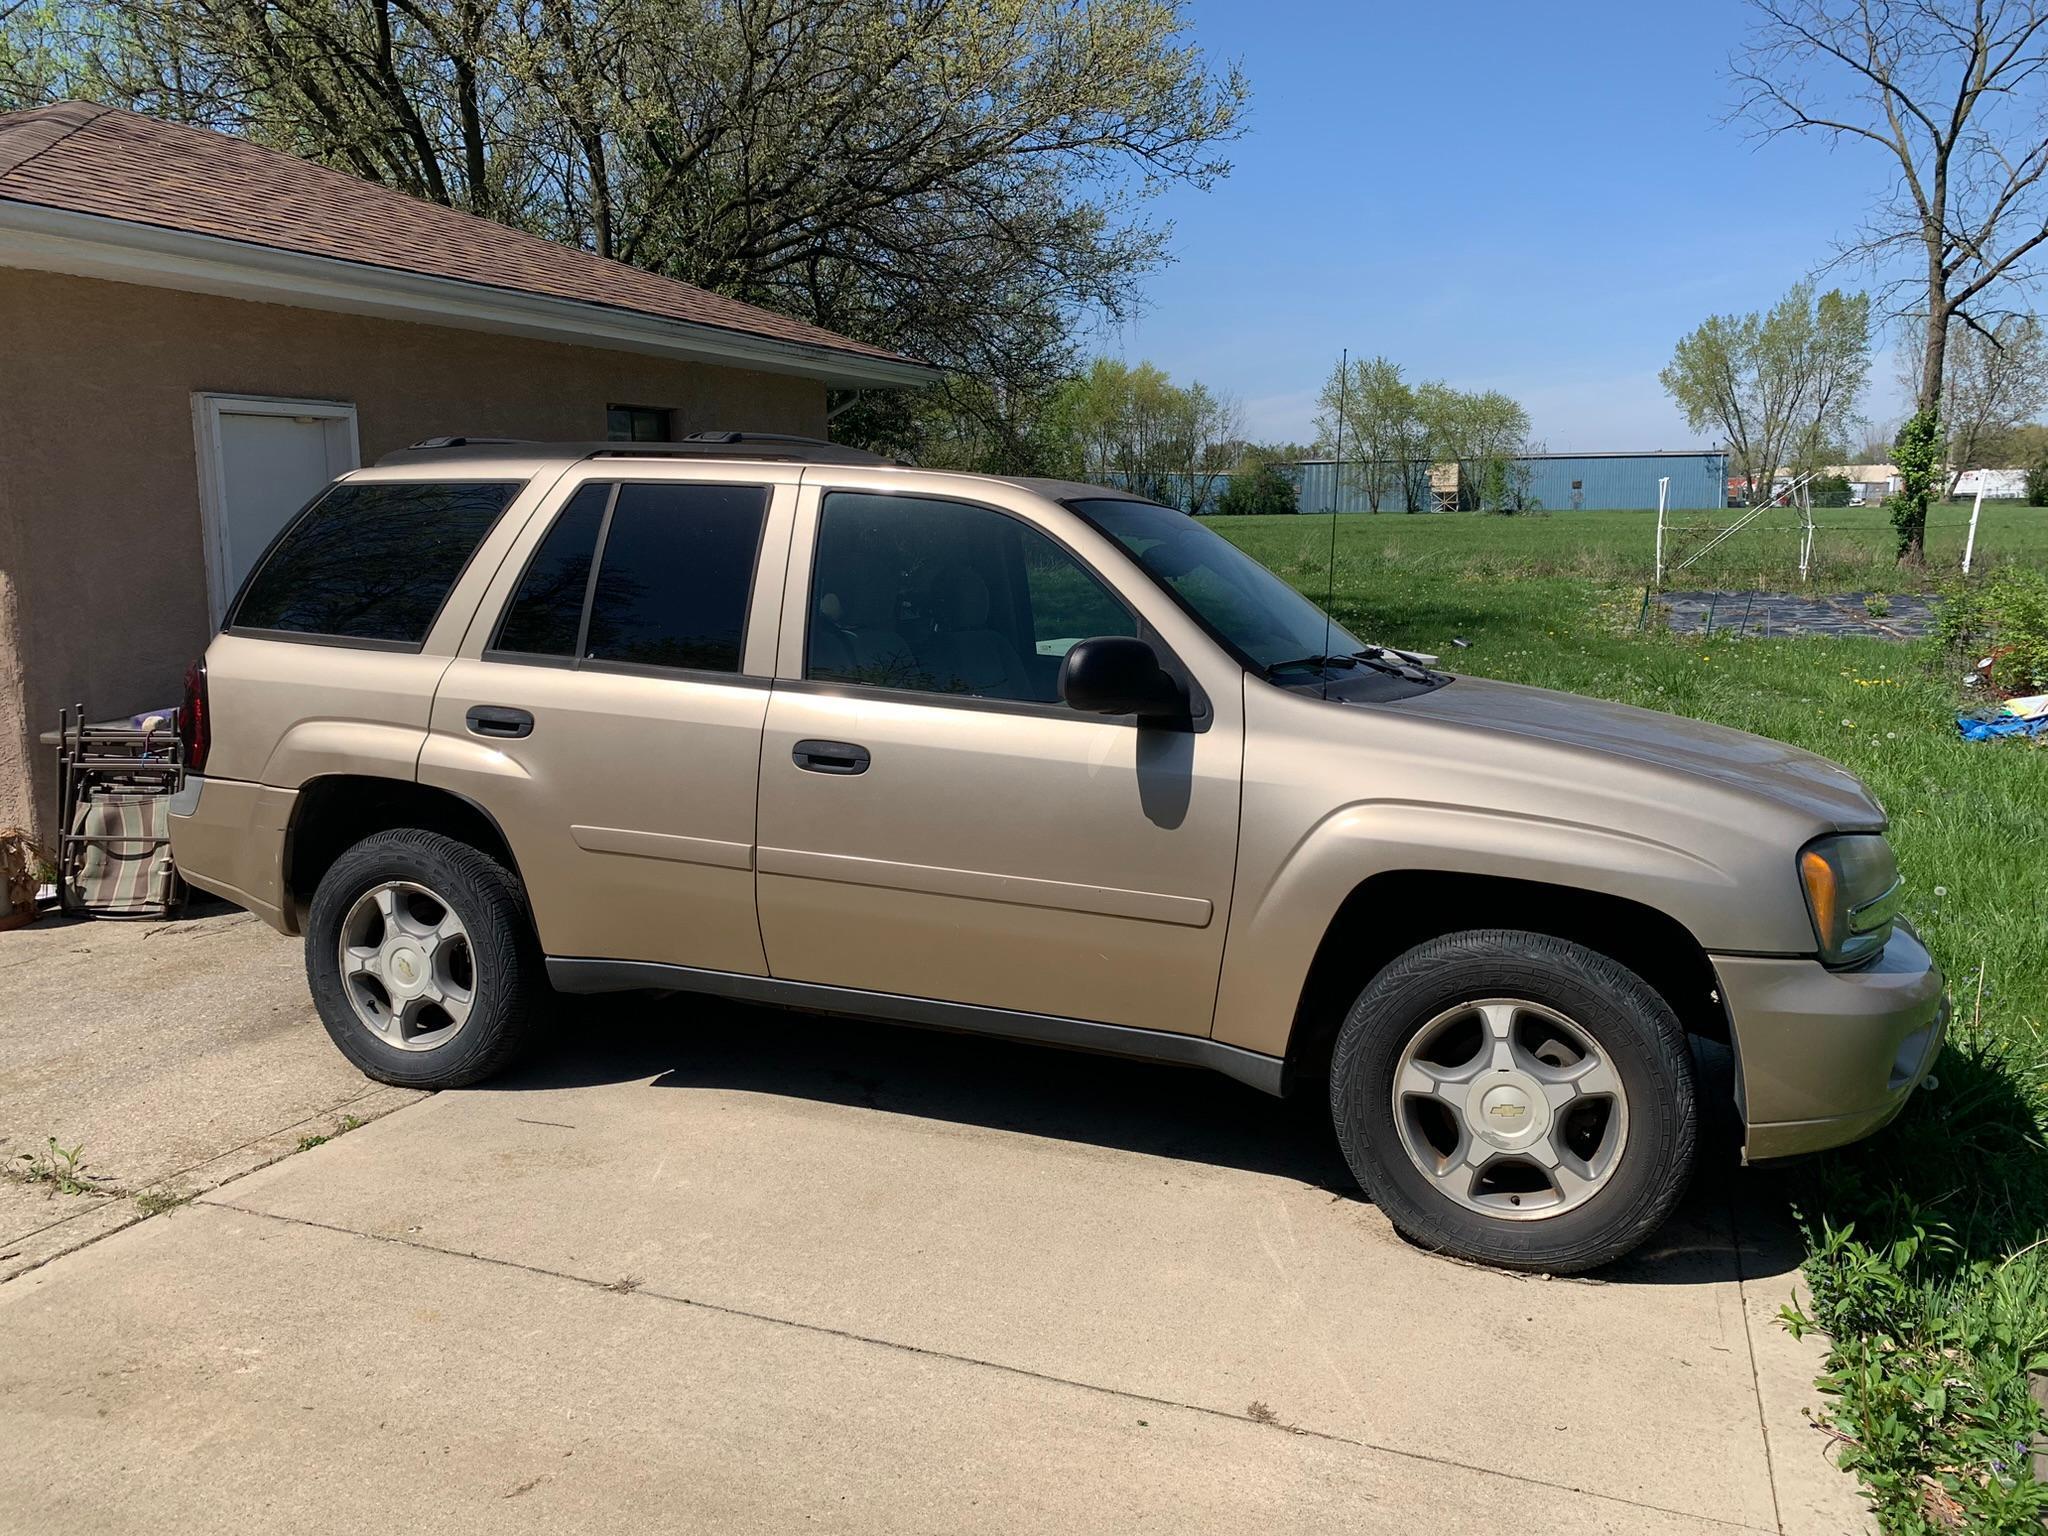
1264	620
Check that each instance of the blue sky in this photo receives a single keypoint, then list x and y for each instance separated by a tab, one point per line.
1537	198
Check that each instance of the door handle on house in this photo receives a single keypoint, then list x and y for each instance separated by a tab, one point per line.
497	720
830	757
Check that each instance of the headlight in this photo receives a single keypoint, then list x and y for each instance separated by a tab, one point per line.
1852	890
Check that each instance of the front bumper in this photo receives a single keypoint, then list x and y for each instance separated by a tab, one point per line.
1827	1057
228	837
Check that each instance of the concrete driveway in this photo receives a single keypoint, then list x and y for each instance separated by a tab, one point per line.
173	1055
709	1268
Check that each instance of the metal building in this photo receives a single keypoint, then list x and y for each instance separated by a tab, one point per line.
1553	482
1556	482
1559	482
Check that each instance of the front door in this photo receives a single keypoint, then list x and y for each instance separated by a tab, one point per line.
935	823
607	708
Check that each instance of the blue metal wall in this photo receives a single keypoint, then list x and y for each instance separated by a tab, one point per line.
1607	482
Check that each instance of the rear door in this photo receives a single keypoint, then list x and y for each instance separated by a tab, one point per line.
935	823
608	701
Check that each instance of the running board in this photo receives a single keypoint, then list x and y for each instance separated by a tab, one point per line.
1260	1071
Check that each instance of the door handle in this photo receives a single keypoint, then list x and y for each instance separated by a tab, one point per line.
830	757
497	720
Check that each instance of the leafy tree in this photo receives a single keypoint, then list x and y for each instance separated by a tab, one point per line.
1949	94
1489	441
953	181
1212	439
1396	432
1136	426
1375	409
2028	449
34	52
1780	387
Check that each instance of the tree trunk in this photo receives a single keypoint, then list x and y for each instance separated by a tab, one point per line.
1924	470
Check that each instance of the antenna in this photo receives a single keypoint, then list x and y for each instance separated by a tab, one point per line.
1336	496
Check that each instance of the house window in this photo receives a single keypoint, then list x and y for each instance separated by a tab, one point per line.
639	424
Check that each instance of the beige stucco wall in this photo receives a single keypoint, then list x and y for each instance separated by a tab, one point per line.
102	582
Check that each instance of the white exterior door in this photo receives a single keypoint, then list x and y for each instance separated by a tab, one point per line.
260	460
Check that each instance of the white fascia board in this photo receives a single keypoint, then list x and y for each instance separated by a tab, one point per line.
90	245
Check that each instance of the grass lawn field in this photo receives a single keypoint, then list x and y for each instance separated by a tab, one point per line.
1929	1245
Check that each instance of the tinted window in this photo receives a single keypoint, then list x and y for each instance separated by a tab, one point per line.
1259	616
673	579
547	610
371	560
638	424
942	597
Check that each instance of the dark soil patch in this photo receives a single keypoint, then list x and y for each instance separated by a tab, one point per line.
1785	613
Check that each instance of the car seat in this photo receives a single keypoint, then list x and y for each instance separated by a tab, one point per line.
965	655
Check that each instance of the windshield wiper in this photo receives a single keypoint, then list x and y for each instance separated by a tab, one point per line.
1318	663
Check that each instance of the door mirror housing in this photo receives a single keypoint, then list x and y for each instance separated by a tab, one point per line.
1117	675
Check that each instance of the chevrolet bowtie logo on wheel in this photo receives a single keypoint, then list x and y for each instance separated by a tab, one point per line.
1509	1111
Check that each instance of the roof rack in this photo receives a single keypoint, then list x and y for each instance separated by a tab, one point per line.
698	445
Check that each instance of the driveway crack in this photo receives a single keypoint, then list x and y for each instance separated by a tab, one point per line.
770	1319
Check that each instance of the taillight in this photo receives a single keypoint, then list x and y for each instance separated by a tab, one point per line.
195	723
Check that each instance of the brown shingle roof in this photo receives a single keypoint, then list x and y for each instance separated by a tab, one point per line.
99	160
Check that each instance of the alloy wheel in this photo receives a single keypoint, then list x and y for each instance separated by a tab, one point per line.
1509	1108
407	966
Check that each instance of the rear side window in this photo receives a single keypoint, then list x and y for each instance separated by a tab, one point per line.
371	561
675	571
546	612
676	566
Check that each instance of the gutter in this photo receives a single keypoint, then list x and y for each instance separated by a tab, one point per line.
41	238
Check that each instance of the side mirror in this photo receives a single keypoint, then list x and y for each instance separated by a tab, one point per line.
1117	675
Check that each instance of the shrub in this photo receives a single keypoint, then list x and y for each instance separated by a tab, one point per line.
1829	490
1257	489
2005	617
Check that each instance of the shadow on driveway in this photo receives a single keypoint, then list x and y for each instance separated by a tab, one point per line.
1132	1106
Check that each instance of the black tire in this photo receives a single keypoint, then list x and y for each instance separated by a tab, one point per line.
508	978
1634	1028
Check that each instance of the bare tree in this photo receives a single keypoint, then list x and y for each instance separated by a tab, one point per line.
1951	92
1997	383
1874	446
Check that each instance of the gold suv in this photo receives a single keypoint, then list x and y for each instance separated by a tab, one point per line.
768	719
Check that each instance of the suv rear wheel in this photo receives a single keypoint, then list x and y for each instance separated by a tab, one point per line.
421	961
1516	1099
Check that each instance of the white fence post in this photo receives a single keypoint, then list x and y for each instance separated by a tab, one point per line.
1663	491
1806	529
1970	544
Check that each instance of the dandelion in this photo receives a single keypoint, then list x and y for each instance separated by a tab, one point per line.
1941	890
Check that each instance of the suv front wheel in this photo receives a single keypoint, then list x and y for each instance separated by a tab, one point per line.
421	961
1516	1099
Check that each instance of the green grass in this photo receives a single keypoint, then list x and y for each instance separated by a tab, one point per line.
1920	1260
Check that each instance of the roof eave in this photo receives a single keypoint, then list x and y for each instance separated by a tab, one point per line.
36	236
